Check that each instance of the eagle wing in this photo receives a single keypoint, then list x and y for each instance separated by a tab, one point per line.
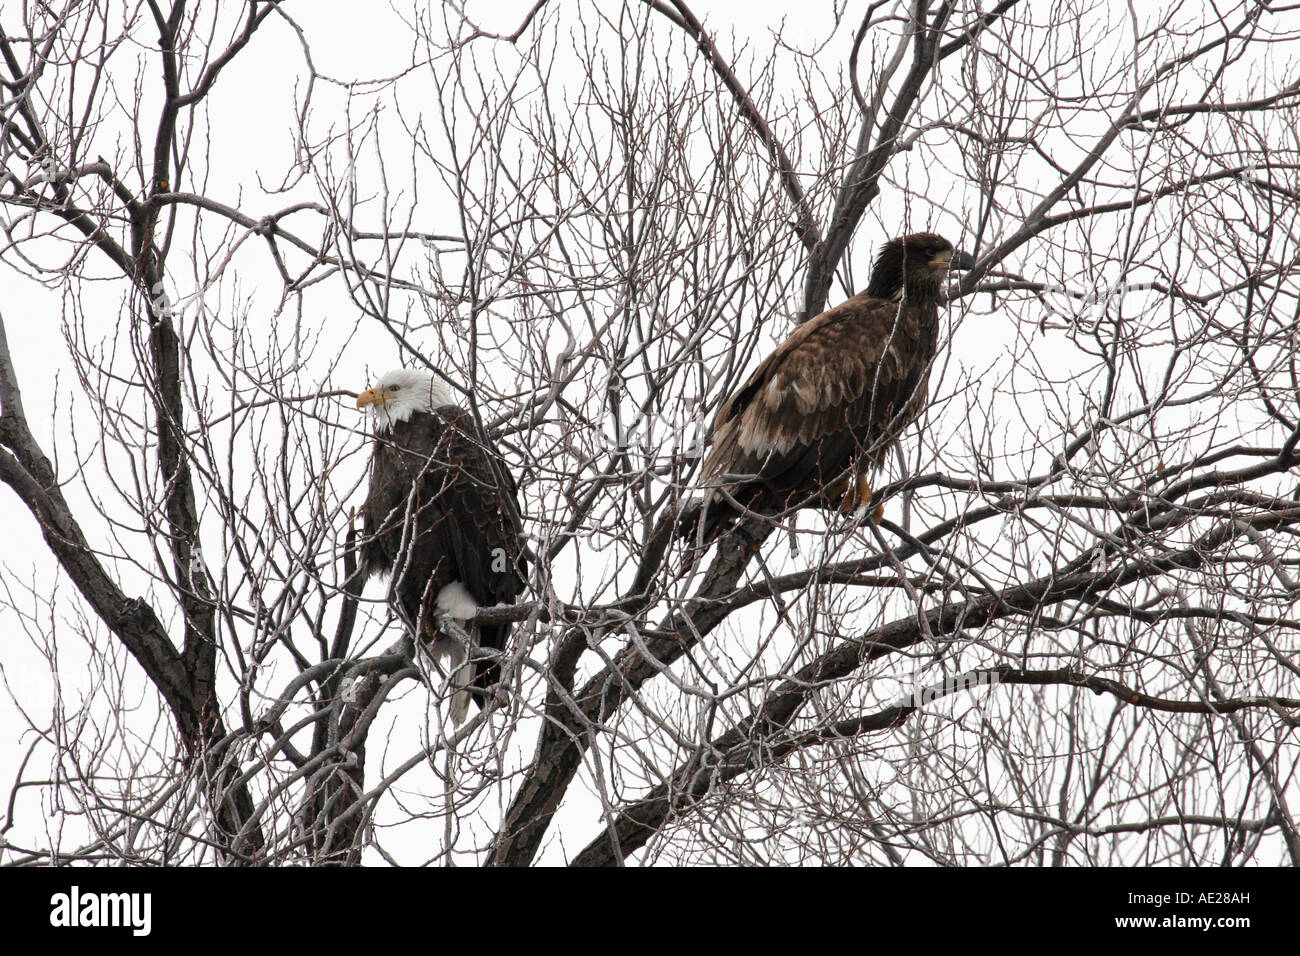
479	494
464	520
837	391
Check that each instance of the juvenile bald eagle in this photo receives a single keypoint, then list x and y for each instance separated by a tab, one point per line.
441	516
825	407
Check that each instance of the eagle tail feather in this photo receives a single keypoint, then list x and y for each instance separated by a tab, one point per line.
451	654
461	680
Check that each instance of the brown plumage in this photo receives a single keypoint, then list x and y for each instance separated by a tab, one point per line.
441	516
825	407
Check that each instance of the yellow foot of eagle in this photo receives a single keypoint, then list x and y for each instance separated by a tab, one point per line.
853	494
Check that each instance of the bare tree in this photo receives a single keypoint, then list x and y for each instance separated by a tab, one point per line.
1072	639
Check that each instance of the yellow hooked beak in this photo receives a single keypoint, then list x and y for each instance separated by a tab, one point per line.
371	396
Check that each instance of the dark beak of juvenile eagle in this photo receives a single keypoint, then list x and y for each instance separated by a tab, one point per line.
953	259
949	260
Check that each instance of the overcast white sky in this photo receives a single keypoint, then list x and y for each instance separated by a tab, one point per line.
250	148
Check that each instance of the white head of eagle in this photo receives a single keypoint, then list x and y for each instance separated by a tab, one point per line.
442	517
401	392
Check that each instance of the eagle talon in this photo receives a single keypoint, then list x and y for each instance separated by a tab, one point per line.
857	495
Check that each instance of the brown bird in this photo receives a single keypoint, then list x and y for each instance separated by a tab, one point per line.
821	411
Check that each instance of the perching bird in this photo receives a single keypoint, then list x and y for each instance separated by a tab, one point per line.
442	516
825	407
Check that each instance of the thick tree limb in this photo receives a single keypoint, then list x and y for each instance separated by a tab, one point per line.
765	736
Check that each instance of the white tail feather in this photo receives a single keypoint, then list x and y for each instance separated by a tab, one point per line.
452	655
461	680
455	601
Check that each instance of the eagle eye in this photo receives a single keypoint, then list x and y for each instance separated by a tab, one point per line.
394	388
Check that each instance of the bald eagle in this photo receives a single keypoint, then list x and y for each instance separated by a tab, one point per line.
442	516
826	406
